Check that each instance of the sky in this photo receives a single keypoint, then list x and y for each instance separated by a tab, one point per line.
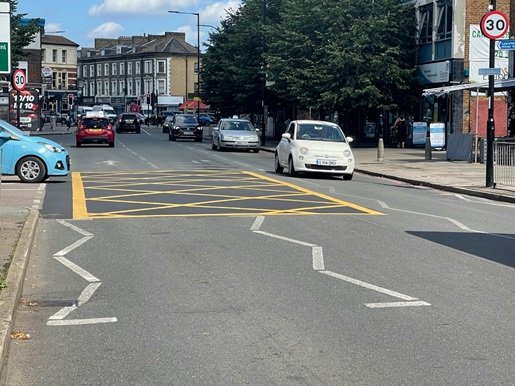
82	21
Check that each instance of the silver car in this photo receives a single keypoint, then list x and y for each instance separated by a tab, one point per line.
236	134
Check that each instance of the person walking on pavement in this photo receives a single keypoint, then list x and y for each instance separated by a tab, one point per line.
68	123
53	121
400	126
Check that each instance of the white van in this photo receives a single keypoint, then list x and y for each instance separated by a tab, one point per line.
108	111
81	111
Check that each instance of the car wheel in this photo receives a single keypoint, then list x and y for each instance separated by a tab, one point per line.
348	177
256	150
111	144
219	146
171	137
31	169
78	144
291	168
198	139
213	146
278	167
138	131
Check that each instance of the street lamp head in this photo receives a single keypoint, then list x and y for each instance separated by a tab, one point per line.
185	13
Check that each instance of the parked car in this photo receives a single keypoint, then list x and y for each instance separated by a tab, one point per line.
185	126
32	159
94	129
315	146
205	119
127	122
167	124
235	134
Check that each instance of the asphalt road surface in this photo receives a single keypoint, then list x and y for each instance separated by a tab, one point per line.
168	263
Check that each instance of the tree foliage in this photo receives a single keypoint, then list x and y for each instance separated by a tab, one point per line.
22	34
330	55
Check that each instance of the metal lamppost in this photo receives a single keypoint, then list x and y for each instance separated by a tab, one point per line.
198	55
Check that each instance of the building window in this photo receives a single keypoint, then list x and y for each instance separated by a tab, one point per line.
99	70
137	90
63	54
114	69
91	71
84	71
106	69
161	64
160	87
425	34
113	87
148	67
91	89
138	68
121	88
444	10
54	56
99	88
43	56
196	67
106	88
129	68
129	87
122	68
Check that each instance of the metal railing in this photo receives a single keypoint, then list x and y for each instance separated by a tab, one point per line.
504	163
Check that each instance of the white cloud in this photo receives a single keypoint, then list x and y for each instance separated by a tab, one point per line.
215	12
53	28
106	30
108	7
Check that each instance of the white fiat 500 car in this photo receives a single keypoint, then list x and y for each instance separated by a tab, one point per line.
315	146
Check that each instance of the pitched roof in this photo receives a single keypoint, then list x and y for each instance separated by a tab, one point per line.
57	40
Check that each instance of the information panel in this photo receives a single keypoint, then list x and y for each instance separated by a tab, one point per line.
437	135
419	133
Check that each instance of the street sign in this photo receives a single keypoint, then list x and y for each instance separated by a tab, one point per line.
489	71
5	38
494	24
506	44
19	80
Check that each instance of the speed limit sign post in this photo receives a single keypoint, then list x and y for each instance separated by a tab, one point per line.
494	25
19	79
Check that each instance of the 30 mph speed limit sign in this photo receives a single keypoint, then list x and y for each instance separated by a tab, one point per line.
19	80
494	24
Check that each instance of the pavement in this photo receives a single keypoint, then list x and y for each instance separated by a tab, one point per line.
20	205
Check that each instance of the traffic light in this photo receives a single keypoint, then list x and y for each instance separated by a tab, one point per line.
148	99
70	100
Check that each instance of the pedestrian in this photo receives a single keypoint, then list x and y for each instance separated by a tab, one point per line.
53	121
68	123
400	130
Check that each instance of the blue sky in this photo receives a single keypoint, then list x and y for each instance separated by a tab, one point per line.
84	20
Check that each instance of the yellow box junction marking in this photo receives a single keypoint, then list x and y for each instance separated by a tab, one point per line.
196	183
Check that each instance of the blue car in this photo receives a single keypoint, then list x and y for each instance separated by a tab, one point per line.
32	159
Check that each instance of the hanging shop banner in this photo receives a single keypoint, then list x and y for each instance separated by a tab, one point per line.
479	56
419	133
437	135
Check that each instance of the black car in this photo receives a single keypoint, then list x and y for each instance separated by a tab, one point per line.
185	126
128	122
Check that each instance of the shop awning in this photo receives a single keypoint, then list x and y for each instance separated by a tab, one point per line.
499	85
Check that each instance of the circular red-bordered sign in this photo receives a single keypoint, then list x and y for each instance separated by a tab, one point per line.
19	79
494	24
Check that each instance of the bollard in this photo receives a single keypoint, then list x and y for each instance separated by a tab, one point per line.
380	150
427	149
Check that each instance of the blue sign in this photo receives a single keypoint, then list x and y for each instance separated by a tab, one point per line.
419	133
506	44
437	135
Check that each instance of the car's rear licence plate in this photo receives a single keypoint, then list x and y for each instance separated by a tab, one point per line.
326	162
94	131
242	143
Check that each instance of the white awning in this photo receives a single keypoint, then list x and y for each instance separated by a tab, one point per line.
499	85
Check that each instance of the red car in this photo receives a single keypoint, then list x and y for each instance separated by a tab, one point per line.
94	130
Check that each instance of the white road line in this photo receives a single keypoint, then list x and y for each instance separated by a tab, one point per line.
79	322
418	303
257	223
318	258
286	239
87	293
75	228
71	247
369	286
78	270
63	313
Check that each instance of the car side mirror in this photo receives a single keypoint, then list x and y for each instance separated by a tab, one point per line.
215	129
286	136
350	139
